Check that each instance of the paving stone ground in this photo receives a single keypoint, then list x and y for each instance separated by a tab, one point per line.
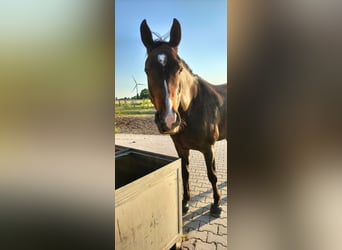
200	229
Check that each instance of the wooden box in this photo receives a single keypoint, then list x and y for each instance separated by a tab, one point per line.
148	211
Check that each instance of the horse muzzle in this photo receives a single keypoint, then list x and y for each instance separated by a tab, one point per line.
167	123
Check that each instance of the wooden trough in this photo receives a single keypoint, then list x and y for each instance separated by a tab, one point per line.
148	211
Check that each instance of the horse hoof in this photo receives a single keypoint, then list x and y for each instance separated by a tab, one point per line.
215	210
185	208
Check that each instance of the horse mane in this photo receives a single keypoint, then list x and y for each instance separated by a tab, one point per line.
187	66
211	89
215	96
211	92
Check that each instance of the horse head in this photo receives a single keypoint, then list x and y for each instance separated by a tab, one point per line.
163	68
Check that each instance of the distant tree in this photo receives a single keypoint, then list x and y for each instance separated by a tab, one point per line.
144	94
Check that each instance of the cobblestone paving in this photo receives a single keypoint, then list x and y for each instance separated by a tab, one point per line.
201	231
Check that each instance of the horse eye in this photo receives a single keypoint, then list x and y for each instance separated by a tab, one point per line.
146	71
180	69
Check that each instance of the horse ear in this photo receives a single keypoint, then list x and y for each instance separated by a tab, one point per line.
175	34
146	35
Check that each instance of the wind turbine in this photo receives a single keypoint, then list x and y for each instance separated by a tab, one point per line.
136	86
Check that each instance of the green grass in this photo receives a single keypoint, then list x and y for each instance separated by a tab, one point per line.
134	107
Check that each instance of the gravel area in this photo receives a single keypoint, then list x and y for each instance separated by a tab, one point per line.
136	125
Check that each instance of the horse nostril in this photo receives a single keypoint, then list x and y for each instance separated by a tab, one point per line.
163	127
170	119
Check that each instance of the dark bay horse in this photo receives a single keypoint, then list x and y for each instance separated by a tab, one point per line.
189	109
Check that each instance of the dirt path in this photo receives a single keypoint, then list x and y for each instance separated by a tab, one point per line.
136	125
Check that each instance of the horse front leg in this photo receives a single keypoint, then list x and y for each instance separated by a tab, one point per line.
185	178
209	156
184	155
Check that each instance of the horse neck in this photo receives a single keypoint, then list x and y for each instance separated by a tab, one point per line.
189	85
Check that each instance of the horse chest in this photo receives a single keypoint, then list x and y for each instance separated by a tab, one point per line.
195	135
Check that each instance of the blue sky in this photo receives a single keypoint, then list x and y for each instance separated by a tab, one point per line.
203	45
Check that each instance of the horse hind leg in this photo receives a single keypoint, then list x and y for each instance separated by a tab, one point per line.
209	156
